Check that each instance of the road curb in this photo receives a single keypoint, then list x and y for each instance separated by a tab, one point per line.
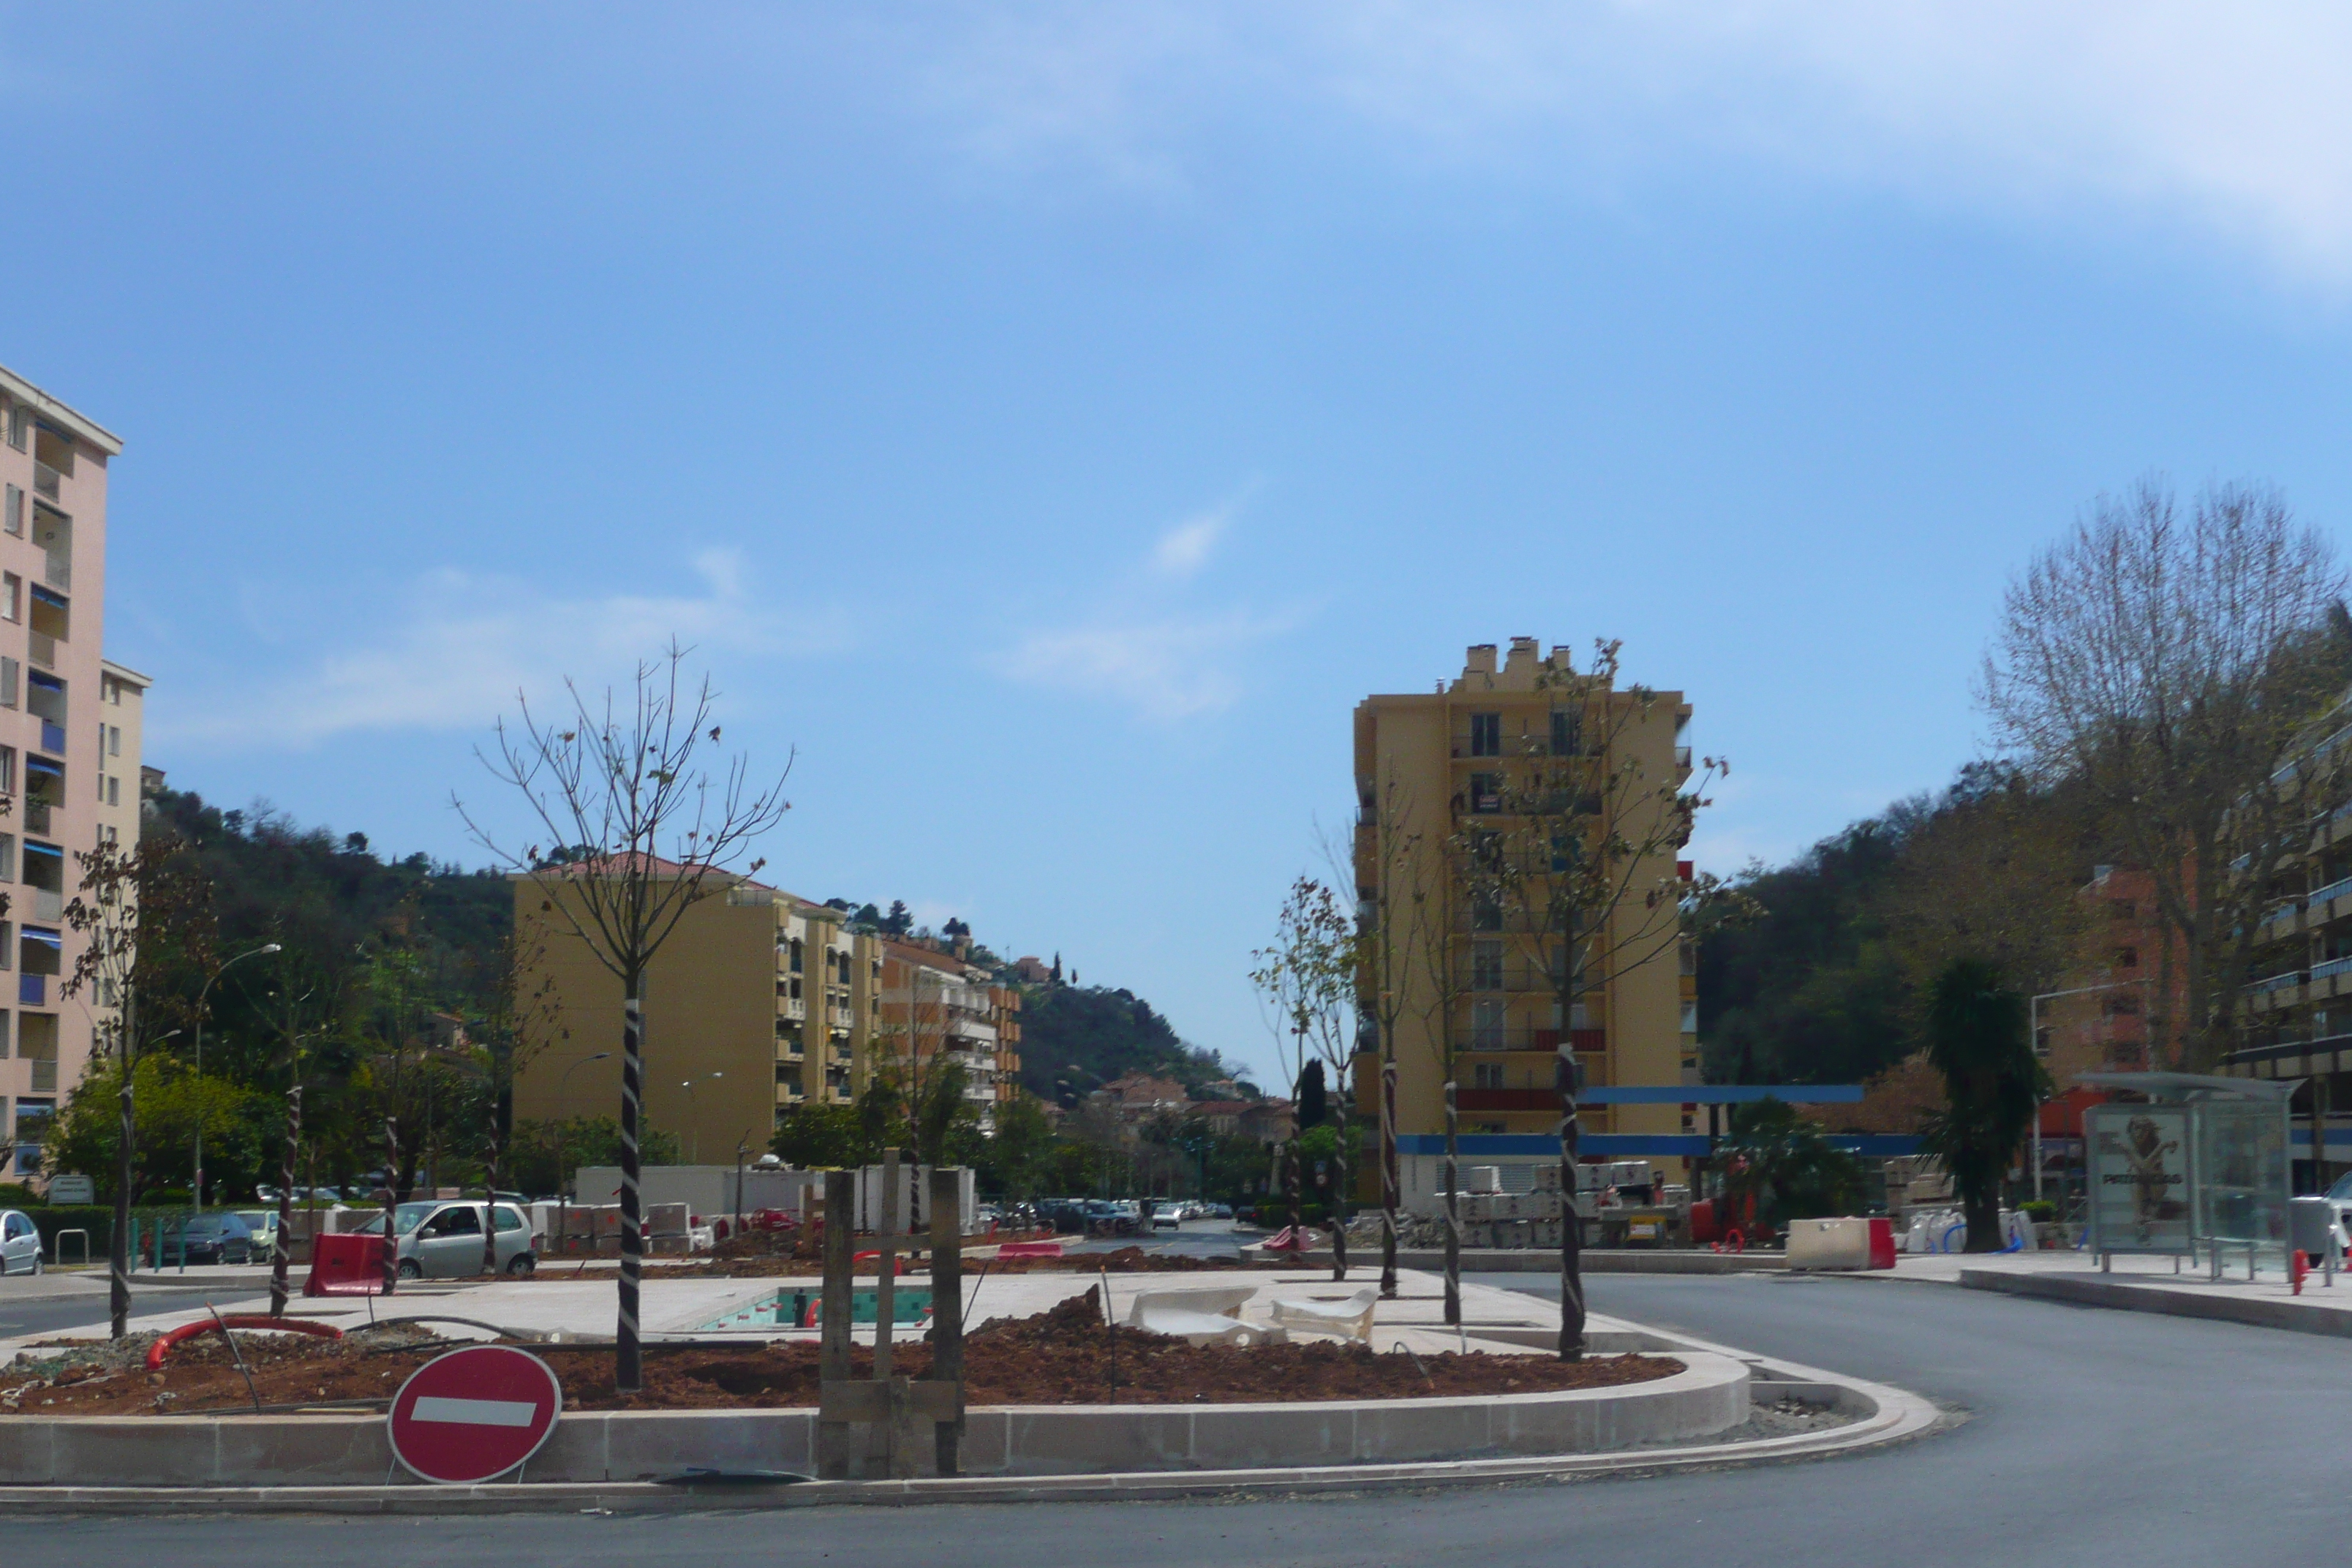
2295	1317
1898	1416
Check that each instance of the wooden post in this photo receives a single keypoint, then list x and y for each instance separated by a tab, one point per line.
885	1284
833	1344
947	1304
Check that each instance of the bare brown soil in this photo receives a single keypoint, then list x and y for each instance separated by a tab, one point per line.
1062	1357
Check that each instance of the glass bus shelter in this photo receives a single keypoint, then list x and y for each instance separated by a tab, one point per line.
2189	1162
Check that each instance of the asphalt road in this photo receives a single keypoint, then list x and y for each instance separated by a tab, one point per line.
2093	1439
52	1304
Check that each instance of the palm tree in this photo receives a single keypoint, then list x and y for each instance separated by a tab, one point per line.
1787	1165
1992	1088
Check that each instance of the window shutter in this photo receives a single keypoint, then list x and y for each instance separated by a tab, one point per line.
7	683
16	515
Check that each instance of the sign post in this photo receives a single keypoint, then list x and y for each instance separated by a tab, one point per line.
474	1414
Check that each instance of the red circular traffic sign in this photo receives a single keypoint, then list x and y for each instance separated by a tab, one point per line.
474	1413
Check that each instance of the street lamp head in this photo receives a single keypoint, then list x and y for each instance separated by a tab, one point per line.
269	947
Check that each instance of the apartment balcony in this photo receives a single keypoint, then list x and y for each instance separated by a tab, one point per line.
791	1051
47	480
1517	979
1523	1037
32	989
971	1029
792	1007
1506	1100
48	905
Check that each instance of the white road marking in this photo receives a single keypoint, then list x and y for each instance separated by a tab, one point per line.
476	1412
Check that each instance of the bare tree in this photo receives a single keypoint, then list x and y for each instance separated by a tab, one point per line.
2172	667
639	830
1434	907
1574	867
1376	866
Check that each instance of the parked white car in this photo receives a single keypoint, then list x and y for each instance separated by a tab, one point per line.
444	1240
20	1243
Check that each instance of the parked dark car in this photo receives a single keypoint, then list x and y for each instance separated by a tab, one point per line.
1107	1218
1067	1216
215	1237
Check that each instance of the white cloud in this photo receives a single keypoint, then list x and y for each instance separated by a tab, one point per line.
1184	549
2222	120
1170	669
461	646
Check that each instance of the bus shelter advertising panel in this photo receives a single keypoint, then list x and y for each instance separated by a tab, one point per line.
2138	1161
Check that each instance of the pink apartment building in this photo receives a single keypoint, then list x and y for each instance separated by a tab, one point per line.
68	760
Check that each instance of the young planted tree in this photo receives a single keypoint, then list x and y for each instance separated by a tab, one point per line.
2172	665
1993	1088
1572	865
1377	865
640	827
1307	977
1434	905
120	885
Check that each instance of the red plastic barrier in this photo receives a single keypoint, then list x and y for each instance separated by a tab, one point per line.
164	1341
1703	1222
1882	1243
2299	1268
346	1264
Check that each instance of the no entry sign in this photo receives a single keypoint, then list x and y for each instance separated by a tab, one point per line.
474	1413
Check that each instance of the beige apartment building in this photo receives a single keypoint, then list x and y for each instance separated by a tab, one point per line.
935	1006
1436	776
759	1002
69	740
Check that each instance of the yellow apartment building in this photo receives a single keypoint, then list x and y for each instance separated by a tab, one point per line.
1434	776
759	1001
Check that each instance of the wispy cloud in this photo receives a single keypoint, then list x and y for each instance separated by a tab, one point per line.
1148	648
2228	121
1184	549
462	645
1171	669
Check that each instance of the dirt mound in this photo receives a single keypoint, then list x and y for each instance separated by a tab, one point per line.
1065	1356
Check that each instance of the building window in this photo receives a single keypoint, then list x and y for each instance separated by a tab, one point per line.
1486	966
114	789
1485	734
1564	730
15	515
1486	912
1485	792
114	740
1487	1026
12	595
20	428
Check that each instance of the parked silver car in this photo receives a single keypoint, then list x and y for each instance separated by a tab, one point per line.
20	1243
444	1240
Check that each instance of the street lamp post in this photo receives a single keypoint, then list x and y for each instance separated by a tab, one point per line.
694	1103
266	947
2034	1044
563	1147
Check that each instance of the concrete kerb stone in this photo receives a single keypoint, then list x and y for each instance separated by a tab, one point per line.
2295	1315
1892	1416
1709	1396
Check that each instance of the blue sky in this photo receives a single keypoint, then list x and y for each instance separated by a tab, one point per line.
1052	419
